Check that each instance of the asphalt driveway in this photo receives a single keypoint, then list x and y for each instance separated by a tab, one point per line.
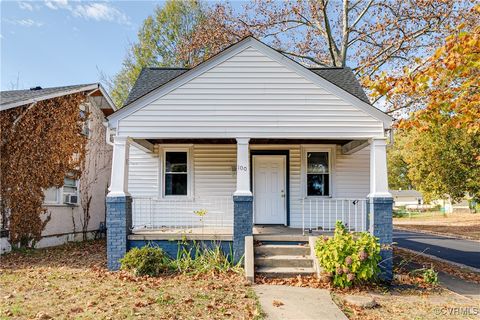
457	250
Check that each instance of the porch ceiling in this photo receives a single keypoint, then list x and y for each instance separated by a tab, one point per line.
252	141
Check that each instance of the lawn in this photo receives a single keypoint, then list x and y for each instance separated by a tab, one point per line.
72	282
465	225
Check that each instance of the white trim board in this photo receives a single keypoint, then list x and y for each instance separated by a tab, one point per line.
88	87
233	50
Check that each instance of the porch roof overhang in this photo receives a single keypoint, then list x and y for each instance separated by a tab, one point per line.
348	146
252	141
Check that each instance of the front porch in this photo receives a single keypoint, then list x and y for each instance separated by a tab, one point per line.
164	219
215	191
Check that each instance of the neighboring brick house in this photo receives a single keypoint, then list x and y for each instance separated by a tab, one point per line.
65	204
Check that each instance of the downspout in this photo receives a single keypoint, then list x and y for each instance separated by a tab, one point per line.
107	134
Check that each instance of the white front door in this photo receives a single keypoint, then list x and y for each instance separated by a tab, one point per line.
269	189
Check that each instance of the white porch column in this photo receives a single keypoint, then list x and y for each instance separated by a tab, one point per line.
378	169
119	175
243	168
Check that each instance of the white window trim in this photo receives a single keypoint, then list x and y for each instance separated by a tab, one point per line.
60	196
163	149
330	149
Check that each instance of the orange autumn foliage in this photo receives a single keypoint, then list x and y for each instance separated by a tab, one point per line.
448	83
438	103
40	144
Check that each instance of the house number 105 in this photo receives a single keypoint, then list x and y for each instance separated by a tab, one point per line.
241	168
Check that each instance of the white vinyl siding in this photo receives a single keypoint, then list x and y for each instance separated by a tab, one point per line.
250	95
143	173
352	174
215	170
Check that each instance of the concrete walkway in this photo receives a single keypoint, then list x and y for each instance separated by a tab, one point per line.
284	303
460	251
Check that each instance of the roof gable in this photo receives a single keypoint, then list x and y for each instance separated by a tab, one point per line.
150	79
317	76
15	98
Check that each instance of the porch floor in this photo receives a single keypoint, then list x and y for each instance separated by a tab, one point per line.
191	233
283	233
260	233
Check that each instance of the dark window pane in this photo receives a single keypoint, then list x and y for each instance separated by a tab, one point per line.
317	162
176	184
317	185
176	162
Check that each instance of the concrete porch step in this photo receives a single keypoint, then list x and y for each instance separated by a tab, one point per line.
283	272
284	261
281	237
282	249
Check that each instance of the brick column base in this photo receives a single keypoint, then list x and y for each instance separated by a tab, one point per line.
119	224
242	224
383	229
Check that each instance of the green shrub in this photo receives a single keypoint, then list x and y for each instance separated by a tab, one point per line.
202	259
349	259
147	260
429	275
400	212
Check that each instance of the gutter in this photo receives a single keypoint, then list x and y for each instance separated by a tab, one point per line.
47	96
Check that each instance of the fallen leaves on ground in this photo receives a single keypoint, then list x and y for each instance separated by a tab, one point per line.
277	303
72	282
465	225
451	269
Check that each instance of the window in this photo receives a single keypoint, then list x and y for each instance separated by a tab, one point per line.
318	174
70	189
68	194
51	195
176	173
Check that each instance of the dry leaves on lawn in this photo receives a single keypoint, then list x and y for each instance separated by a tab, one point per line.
453	270
277	303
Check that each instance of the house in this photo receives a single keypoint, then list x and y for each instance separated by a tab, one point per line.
65	205
413	199
256	140
407	198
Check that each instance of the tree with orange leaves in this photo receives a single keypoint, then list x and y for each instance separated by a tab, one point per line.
439	102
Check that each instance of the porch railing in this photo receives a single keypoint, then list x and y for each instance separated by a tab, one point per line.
179	214
322	214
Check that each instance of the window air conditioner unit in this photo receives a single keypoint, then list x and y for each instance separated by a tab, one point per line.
71	199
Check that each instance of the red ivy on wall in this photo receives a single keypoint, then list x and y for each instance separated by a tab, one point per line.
40	143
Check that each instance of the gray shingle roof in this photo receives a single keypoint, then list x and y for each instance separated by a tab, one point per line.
345	79
153	78
18	96
405	193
